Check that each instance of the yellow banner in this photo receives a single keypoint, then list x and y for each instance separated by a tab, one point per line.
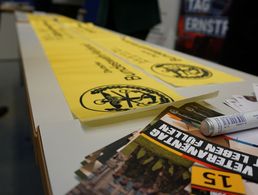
217	180
170	68
94	82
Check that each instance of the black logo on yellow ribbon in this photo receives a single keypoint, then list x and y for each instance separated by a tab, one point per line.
113	98
181	71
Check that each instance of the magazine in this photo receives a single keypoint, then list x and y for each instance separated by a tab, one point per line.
159	159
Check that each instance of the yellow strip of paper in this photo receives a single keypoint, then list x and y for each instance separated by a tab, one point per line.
218	180
94	82
170	68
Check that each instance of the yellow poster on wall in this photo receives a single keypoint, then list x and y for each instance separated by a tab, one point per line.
95	83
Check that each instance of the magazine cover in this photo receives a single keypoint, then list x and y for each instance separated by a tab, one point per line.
141	167
160	158
202	27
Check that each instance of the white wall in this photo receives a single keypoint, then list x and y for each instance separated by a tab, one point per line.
8	37
9	54
164	34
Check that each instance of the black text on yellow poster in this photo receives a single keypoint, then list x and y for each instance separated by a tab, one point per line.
94	82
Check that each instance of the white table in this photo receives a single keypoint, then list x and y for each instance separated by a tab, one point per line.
63	141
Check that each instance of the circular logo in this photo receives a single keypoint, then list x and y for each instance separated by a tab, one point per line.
181	71
113	98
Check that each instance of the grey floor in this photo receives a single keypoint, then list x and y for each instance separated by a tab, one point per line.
19	172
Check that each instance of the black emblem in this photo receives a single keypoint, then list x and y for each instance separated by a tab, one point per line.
181	71
113	98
